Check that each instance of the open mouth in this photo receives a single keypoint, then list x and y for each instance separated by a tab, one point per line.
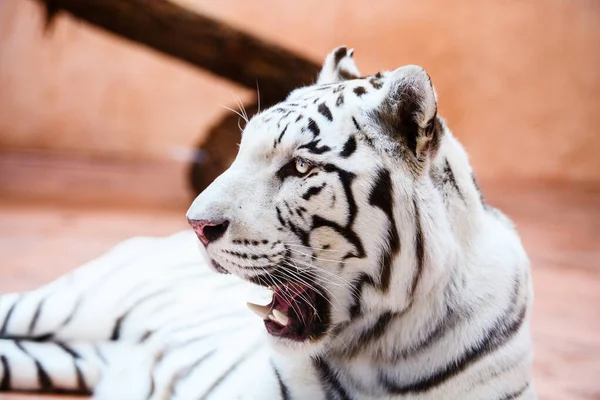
296	312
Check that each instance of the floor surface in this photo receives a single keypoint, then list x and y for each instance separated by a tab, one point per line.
560	226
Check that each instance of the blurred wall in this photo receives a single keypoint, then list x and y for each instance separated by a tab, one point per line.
518	81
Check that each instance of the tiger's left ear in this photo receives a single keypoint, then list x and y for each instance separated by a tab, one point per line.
338	66
408	112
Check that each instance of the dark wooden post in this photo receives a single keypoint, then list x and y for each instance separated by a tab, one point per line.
199	40
208	44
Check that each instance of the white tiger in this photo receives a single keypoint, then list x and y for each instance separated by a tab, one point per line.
389	276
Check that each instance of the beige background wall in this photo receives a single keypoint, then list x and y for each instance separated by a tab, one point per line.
518	81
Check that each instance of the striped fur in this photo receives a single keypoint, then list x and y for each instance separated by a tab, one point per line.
424	290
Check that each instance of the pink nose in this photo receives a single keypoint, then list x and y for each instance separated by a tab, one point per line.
208	231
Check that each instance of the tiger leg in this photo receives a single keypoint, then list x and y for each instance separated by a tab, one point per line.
55	367
138	296
108	298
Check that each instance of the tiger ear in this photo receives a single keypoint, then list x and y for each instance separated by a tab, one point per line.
408	111
338	66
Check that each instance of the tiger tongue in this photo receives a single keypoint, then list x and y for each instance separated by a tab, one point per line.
285	294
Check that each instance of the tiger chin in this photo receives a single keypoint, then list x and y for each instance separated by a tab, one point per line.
387	273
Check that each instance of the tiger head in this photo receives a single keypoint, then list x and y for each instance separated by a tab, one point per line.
332	202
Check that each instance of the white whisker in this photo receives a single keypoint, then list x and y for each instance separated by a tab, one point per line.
258	95
319	258
310	248
322	270
233	111
316	290
315	270
242	108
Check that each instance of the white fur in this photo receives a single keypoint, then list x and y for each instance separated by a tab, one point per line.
204	342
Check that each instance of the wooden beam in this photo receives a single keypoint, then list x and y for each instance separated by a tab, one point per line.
198	40
206	43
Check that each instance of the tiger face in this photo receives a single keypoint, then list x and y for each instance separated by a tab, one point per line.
313	205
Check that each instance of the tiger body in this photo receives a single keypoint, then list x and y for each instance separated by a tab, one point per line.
354	194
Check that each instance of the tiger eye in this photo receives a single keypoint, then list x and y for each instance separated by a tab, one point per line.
302	166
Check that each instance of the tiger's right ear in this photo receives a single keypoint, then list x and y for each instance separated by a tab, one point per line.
408	112
338	66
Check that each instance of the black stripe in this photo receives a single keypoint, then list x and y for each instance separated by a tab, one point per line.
481	198
181	375
220	269
371	334
340	100
283	389
498	335
382	197
116	332
300	233
346	232
312	191
378	329
449	177
356	125
67	349
515	394
38	338
287	114
313	127
44	381
346	178
329	381
7	317
312	147
233	367
82	386
282	133
152	387
357	288
279	216
36	316
349	147
419	248
325	111
72	314
448	322
5	383
145	336
359	91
